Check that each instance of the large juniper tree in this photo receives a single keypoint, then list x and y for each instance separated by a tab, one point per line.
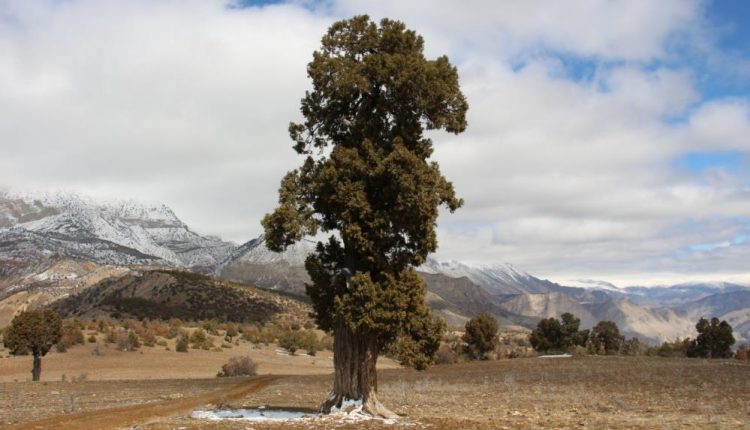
367	181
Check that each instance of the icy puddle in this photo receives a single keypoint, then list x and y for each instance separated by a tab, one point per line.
254	414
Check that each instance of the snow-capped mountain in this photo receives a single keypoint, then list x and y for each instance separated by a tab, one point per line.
252	262
114	232
498	279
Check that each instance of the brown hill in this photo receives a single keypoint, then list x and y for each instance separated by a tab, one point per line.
164	294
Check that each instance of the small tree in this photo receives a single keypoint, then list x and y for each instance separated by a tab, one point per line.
547	336
33	332
570	334
481	335
606	337
715	339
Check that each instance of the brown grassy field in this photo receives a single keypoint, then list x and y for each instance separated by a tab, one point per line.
158	363
532	393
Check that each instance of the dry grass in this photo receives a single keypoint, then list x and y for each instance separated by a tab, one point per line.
158	363
594	393
533	393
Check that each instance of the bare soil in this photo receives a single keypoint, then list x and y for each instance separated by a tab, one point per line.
531	393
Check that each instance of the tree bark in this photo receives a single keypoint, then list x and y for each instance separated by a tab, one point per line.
355	376
36	371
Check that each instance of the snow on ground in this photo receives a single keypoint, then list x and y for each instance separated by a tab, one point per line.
349	412
259	414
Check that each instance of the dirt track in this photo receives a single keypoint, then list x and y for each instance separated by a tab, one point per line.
113	418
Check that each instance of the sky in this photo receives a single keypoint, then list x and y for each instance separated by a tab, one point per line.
607	139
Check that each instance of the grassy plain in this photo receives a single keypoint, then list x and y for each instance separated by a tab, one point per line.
529	393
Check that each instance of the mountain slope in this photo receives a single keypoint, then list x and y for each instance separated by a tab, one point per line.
117	232
253	263
499	279
164	294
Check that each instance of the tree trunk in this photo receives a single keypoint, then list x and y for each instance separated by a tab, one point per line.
355	377
36	371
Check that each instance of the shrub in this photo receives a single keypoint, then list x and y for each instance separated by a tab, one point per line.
310	342
127	341
446	355
239	366
481	335
633	346
71	335
149	338
92	339
200	339
292	341
182	343
743	353
231	332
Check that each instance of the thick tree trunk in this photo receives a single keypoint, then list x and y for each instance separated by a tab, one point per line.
355	377
36	371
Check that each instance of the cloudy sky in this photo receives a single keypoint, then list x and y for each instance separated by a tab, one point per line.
607	139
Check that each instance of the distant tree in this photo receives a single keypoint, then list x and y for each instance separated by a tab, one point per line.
633	346
606	337
33	332
715	339
481	335
570	333
547	336
552	334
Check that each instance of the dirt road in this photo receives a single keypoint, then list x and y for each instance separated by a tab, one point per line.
114	418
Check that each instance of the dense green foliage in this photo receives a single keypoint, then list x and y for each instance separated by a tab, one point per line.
606	338
366	179
480	335
33	332
552	334
715	339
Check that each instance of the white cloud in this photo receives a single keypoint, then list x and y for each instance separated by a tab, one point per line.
187	102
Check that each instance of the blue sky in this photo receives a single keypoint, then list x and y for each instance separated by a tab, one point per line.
607	139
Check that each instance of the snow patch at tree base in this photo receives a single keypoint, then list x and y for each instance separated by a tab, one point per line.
350	411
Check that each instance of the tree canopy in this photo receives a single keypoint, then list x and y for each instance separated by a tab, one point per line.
606	337
481	334
367	182
715	339
552	334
